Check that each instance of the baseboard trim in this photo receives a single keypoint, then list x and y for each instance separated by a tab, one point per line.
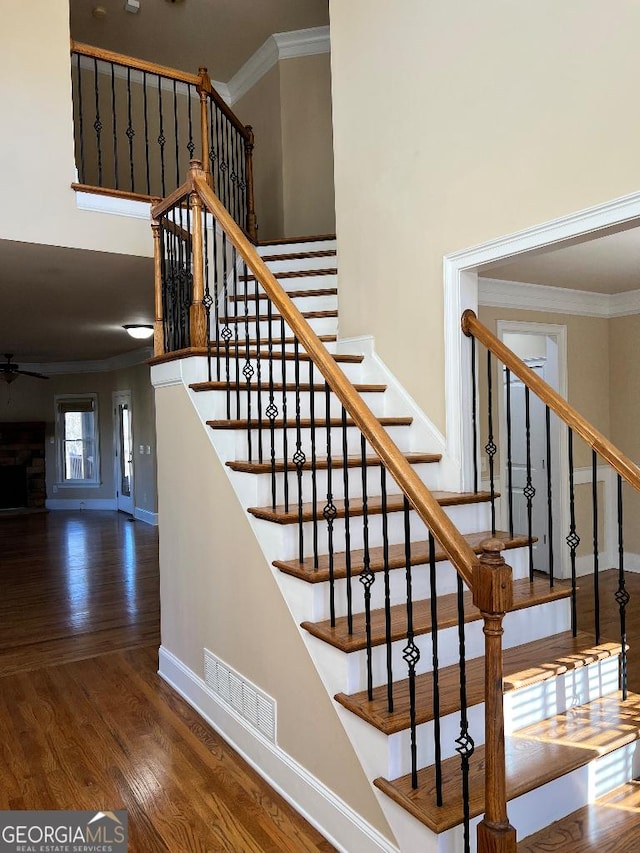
77	503
146	515
321	807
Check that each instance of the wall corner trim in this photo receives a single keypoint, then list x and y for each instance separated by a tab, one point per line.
146	516
278	46
330	815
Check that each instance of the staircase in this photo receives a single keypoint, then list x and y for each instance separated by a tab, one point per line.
367	584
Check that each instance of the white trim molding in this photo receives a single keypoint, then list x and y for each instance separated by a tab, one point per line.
324	809
146	516
498	293
99	203
278	46
461	292
104	365
80	503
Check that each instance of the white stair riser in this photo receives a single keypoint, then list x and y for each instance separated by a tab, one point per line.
297	246
446	582
324	262
324	302
238	443
448	652
289	535
214	407
320	325
262	482
275	370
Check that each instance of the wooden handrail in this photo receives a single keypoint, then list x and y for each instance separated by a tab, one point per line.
627	469
132	62
455	545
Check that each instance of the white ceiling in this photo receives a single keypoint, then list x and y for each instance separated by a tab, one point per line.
609	264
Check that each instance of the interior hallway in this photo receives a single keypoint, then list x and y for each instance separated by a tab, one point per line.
86	723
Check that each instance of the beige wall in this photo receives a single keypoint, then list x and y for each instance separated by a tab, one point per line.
36	145
33	400
459	122
307	146
261	108
290	111
217	591
624	377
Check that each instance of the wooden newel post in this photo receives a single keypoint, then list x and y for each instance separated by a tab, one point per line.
493	596
198	311
252	222
158	323
204	90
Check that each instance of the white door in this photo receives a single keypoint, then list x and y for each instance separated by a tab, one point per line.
538	471
123	443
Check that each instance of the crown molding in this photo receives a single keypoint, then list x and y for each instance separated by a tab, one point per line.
278	46
105	365
496	293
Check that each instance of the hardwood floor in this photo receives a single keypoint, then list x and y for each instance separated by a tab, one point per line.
85	722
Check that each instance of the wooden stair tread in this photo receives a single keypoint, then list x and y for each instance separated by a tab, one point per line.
295	274
276	355
530	762
395	503
321	464
524	665
292	294
307	571
305	423
610	825
221	385
282	241
300	256
525	594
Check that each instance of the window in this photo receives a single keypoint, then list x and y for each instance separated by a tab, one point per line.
77	440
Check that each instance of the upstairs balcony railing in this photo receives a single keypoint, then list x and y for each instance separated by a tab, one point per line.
138	124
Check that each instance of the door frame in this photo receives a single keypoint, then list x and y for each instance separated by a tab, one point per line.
116	398
560	482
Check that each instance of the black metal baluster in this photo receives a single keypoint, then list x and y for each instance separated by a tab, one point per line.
299	457
622	595
314	482
258	345
285	437
97	124
163	271
366	576
208	300
236	324
130	132
114	117
176	131
347	519
490	446
435	667
509	459
82	172
529	490
162	139
271	410
191	145
573	540
465	745
248	370
329	511
549	496
411	652
226	333
474	413
216	295
596	554
387	586
145	107
212	144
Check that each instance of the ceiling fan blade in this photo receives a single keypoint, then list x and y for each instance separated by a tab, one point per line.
30	373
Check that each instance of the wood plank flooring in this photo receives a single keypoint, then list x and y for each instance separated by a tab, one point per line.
85	721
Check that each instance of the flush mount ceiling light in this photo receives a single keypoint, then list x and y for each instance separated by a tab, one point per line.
99	12
139	330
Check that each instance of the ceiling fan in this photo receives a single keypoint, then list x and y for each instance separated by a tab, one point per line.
10	371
